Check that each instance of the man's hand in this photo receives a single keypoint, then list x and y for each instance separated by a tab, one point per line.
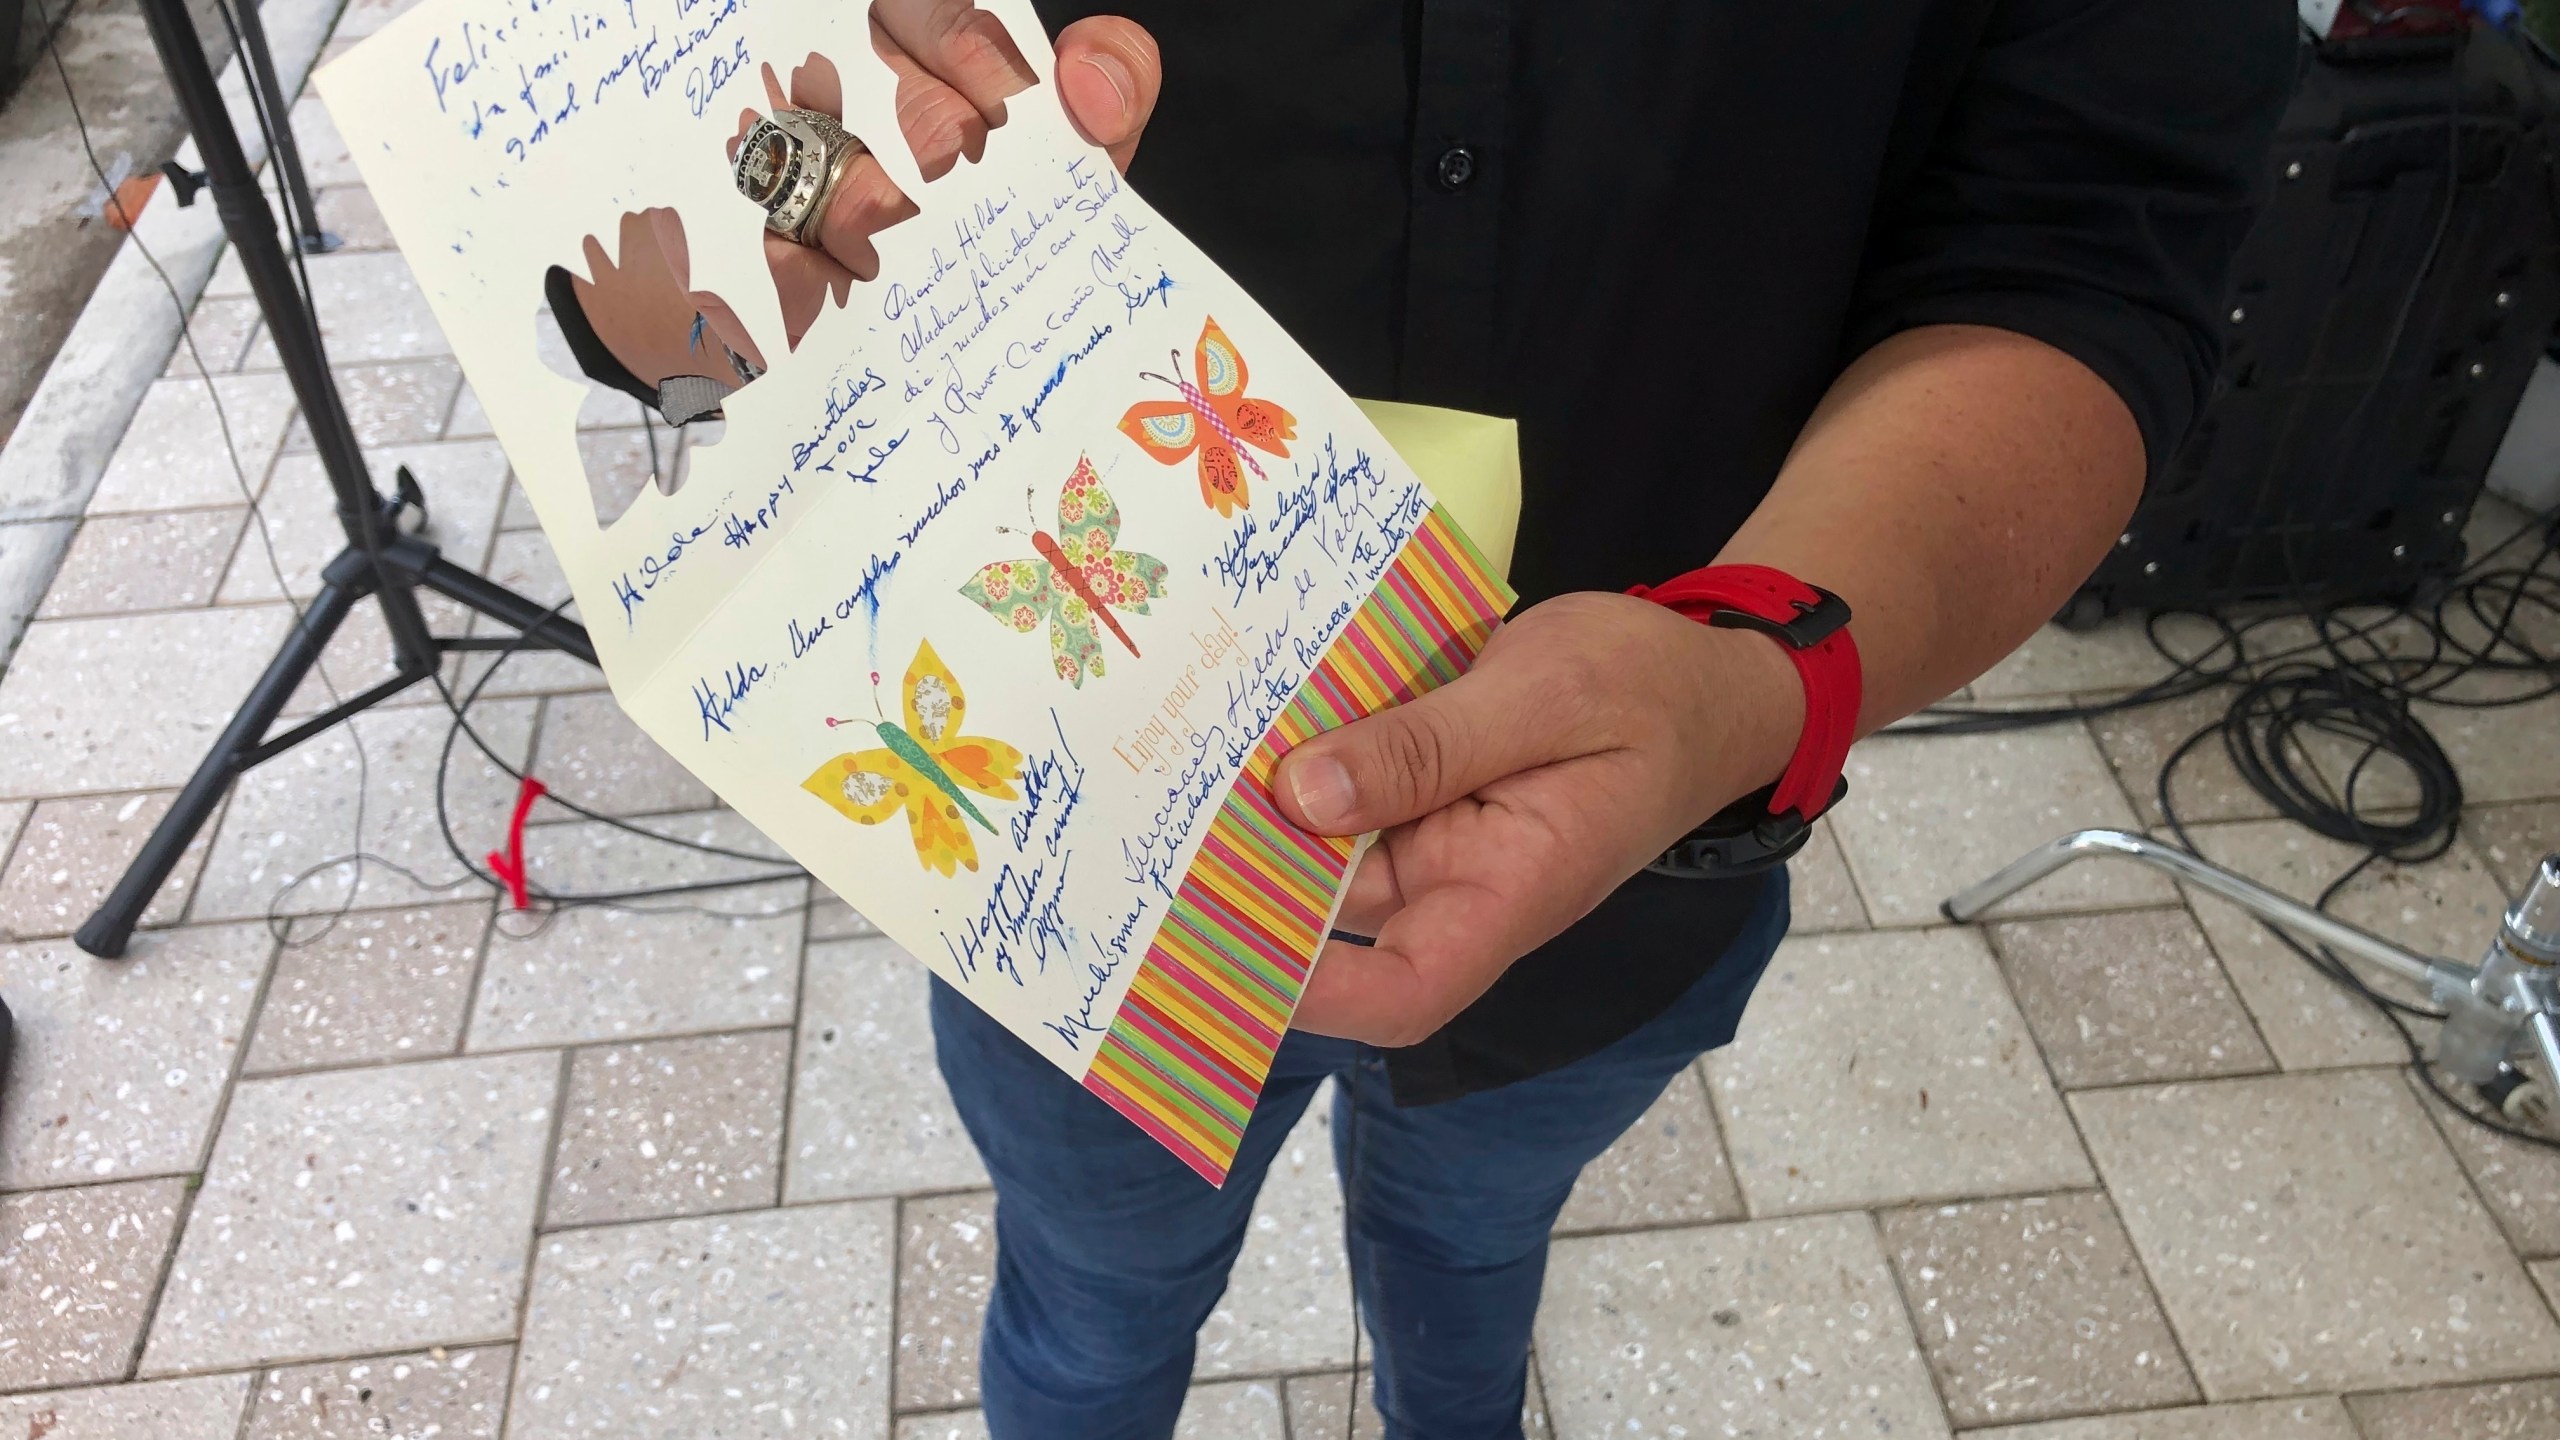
1593	732
956	67
1954	486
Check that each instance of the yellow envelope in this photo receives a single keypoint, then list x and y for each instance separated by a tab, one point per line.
1471	462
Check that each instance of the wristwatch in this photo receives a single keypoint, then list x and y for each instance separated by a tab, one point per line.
1766	828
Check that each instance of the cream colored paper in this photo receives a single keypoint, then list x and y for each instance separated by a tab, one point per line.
908	441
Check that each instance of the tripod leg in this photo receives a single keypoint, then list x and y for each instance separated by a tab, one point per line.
106	932
498	602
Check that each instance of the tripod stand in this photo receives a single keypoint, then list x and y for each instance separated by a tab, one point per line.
2503	1009
379	562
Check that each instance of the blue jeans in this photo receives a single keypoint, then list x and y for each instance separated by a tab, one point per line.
1110	1253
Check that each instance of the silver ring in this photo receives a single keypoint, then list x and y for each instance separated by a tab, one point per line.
790	164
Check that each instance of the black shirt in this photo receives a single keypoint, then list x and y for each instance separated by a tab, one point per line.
1654	231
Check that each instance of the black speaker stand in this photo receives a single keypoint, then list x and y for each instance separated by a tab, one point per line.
380	563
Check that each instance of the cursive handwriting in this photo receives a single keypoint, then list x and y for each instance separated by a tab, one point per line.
1022	919
653	568
719	699
1052	788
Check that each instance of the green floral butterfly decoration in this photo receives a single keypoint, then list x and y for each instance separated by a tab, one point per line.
1076	579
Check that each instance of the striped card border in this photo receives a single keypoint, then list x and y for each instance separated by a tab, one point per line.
1186	1056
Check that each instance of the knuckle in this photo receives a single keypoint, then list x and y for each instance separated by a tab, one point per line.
940	125
1415	753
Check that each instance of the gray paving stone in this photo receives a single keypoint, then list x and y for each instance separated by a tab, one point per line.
832	919
522	561
619	466
2502	753
1785	1327
2311	1232
2528	1410
1288	1300
763	1326
126	702
324	155
160	561
370	309
517	514
671	1127
206	1408
2446	907
1668	1169
375	985
870	1114
120	1064
2318	1419
600	974
470	420
361	1210
437	1395
402	402
946	1263
299	810
77	1272
348	212
29	552
1231	1410
2546	1273
13	818
222	326
1874	1069
1317	1404
463	483
364	17
2520	1183
2513	839
172	456
594	754
74	851
1929	815
2207	786
2034	1308
1822	895
2131	996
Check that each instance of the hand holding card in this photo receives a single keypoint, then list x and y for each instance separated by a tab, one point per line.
1007	547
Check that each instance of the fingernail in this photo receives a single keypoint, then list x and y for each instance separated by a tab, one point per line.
1116	75
1323	788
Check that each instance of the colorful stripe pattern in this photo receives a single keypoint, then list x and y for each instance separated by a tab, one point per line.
1187	1054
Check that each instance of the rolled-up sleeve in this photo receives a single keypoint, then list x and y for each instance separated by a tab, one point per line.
2092	178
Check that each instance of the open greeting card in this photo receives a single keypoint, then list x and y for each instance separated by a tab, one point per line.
991	587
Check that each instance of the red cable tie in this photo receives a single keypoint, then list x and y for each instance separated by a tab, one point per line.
509	863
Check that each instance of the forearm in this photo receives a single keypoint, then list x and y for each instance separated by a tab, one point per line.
1954	487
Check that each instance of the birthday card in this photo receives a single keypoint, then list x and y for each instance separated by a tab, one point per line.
991	586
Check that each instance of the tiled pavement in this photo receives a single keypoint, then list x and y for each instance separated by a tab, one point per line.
2112	1167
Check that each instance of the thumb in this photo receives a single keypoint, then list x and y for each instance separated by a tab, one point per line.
1109	75
1404	763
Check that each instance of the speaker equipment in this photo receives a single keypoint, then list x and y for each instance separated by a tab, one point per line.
2382	321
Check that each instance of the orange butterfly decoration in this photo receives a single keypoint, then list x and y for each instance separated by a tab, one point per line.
1214	420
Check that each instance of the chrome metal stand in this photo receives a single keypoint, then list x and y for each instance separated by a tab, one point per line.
2496	1013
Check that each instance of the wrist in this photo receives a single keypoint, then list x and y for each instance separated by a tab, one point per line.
1747	708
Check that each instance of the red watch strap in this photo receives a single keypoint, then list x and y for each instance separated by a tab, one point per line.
1813	625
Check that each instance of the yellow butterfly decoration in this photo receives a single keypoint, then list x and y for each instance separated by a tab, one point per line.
926	768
